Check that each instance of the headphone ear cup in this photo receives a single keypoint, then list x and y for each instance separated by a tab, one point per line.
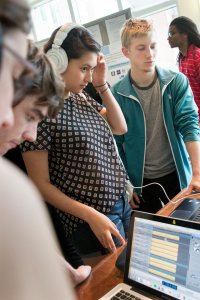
59	58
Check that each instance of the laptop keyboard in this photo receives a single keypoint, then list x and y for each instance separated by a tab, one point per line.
125	296
189	209
196	217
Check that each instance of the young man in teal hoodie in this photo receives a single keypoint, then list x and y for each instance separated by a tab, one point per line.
162	120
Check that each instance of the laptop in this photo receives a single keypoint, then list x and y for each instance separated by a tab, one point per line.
189	209
162	260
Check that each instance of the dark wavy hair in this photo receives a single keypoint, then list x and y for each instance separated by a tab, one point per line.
15	14
78	41
187	26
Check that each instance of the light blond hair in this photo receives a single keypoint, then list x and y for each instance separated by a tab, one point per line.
134	28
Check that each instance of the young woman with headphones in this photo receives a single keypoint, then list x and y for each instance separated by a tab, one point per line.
74	161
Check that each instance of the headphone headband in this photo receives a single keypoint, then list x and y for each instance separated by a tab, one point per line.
63	32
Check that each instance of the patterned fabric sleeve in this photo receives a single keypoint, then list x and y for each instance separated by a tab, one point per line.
43	141
93	102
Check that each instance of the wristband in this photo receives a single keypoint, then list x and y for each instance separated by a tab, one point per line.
100	85
100	93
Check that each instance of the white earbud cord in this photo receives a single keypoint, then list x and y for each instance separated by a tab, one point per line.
174	201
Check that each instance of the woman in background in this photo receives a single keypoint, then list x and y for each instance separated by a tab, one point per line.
183	33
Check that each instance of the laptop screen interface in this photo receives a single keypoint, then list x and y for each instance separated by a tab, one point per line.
166	258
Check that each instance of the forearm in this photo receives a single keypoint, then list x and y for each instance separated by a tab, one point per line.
58	199
193	149
51	193
113	113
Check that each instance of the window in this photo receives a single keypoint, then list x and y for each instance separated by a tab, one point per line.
141	4
88	10
47	16
167	57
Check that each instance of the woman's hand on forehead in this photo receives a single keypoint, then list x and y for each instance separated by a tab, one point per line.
99	74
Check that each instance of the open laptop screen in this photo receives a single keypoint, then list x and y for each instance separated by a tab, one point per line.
165	257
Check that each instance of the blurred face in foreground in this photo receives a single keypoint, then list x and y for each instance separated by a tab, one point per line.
13	65
27	115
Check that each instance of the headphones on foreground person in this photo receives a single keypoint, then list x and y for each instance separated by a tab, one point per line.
57	55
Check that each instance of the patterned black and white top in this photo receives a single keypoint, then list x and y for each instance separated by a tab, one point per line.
83	160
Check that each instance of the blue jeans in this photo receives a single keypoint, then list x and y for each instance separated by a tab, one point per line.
86	241
120	215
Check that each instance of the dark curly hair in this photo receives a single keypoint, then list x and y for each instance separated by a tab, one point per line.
187	26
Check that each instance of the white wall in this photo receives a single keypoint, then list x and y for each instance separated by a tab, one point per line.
190	9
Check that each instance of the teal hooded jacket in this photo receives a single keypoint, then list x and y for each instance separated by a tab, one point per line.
180	115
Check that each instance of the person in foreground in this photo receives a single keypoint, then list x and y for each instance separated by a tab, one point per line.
162	119
183	33
80	172
44	97
14	27
24	223
29	268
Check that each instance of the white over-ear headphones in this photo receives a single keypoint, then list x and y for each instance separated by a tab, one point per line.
57	55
